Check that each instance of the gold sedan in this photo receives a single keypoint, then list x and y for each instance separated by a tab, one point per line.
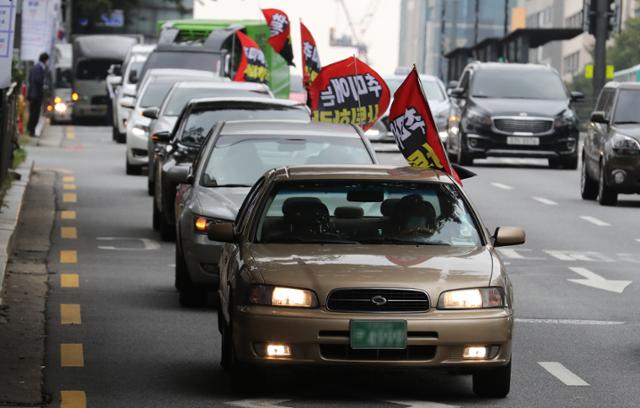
365	266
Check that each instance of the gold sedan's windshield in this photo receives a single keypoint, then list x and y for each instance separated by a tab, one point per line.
368	213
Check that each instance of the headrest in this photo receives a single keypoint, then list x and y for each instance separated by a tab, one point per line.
388	206
310	209
348	212
414	205
290	204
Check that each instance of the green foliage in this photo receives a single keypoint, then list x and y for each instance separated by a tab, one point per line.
625	51
17	73
581	84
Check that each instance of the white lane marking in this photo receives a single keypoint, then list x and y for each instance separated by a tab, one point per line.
422	404
502	186
585	256
147	244
575	322
258	403
595	221
563	374
596	281
544	200
511	253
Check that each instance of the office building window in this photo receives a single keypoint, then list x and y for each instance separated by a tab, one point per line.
574	20
572	63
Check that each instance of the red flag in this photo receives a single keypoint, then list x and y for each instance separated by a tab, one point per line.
310	58
414	129
348	91
253	65
280	28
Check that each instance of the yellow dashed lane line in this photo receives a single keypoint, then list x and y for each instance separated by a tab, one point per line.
68	257
68	233
69	198
68	179
71	133
73	399
71	355
69	280
68	215
68	186
70	314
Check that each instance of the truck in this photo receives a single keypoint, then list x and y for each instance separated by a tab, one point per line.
92	57
220	35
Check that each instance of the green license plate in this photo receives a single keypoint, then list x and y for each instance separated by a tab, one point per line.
378	334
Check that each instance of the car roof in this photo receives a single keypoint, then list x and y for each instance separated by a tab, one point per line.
622	85
360	172
288	128
248	99
223	83
511	66
180	72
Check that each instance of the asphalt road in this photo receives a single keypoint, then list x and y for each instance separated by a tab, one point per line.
120	339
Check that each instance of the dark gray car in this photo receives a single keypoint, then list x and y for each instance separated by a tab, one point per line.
232	159
611	152
165	117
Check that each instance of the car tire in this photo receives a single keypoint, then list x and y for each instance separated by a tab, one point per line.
119	137
132	170
570	163
606	195
166	230
493	383
156	216
588	186
150	186
189	295
463	157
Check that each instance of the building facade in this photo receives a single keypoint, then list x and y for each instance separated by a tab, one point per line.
431	28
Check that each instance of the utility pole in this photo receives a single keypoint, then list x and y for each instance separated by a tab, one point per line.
506	18
600	54
443	31
476	23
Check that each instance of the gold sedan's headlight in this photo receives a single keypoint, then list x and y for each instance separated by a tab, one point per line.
478	298
282	296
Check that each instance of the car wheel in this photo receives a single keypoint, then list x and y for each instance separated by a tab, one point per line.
588	186
493	383
150	186
133	170
156	216
606	195
114	133
119	137
189	295
166	230
569	163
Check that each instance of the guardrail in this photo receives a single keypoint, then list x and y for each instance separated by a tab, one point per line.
8	127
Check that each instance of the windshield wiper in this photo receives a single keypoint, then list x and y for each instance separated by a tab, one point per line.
290	240
479	96
229	185
626	122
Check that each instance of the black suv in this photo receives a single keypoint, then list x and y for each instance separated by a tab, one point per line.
513	110
611	152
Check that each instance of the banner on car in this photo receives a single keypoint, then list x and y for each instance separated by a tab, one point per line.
310	58
253	64
280	38
414	129
348	91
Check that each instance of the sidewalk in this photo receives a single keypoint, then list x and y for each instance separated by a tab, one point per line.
22	314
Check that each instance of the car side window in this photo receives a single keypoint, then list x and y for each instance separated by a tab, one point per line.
608	104
248	206
464	81
602	100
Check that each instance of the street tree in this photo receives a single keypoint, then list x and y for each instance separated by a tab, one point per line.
625	51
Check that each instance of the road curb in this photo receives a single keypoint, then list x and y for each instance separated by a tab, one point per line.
10	215
50	136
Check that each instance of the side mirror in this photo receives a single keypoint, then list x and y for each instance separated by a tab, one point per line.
151	113
452	85
599	117
505	236
456	92
576	96
115	69
133	76
161	137
222	232
128	102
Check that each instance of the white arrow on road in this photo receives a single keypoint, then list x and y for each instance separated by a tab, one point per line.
596	281
258	403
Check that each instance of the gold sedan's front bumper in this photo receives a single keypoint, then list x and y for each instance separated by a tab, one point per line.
319	337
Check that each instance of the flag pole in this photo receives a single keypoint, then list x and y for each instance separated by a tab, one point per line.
355	68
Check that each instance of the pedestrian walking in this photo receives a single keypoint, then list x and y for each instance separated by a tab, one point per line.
35	93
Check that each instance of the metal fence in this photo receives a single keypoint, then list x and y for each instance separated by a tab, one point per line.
8	127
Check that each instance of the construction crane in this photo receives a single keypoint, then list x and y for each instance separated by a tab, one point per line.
356	37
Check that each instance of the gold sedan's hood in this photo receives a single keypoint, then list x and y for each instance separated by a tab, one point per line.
323	268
